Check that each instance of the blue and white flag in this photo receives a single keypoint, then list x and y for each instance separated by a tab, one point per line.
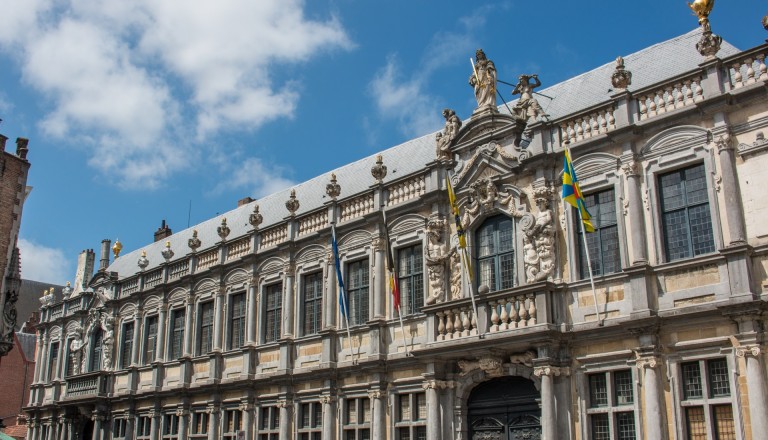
342	294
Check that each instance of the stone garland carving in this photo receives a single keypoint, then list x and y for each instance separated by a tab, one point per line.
523	358
483	80
327	399
621	78
436	256
549	371
538	239
491	365
527	106
443	139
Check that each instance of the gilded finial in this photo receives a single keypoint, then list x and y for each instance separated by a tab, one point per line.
702	8
117	247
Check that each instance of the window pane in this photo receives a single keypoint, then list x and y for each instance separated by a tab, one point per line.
127	349
358	278
598	390
685	213
205	344
718	378
725	428
697	428
274	301
405	407
600	428
495	257
237	321
625	426
692	388
313	302
622	384
410	279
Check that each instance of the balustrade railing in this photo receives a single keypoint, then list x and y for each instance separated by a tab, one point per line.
238	248
207	259
89	384
357	207
129	286
153	278
681	93
406	190
178	270
274	236
747	70
313	222
515	311
57	311
456	323
588	125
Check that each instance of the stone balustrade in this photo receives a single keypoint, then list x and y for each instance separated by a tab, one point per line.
87	385
274	236
586	126
514	311
129	286
153	279
313	222
671	96
238	248
456	323
747	70
207	259
356	207
178	270
406	190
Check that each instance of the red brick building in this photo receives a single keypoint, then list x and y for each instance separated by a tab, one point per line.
16	372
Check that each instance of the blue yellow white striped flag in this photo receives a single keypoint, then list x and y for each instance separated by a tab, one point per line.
572	193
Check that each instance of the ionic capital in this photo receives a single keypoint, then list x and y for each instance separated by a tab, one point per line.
549	371
647	362
748	350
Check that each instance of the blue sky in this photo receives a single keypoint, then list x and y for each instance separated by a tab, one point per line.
135	110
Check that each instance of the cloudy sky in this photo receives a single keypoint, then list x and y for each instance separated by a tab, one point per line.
141	111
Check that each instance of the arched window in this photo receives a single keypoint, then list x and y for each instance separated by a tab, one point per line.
97	340
495	253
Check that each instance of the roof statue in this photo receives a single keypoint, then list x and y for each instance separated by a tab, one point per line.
483	80
710	43
449	133
527	106
621	78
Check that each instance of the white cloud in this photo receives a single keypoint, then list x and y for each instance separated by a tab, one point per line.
41	263
129	81
254	175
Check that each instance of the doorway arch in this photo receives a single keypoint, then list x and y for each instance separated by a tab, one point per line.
504	408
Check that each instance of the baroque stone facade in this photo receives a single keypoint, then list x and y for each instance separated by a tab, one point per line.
232	329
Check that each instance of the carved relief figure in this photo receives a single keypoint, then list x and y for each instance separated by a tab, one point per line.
455	274
527	106
483	80
449	133
108	325
76	352
436	257
539	237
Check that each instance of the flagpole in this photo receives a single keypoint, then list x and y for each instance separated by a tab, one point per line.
468	268
343	295
391	274
586	252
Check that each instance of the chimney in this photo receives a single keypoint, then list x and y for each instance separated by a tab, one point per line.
162	232
85	262
104	261
244	201
21	147
2	142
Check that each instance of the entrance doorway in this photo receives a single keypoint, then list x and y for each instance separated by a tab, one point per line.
506	408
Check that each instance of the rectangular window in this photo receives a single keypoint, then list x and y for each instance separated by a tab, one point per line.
611	405
205	331
706	390
97	342
495	253
313	303
310	421
199	425
53	360
119	427
357	291
685	213
150	339
71	358
269	423
411	420
177	334
232	423
143	428
237	321
126	350
410	278
170	427
357	419
603	244
274	306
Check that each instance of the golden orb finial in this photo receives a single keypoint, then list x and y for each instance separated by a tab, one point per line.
117	248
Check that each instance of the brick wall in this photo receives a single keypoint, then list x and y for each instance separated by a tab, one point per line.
13	182
16	374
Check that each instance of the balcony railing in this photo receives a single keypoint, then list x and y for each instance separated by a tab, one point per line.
88	384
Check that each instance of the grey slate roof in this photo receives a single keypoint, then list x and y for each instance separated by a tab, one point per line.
29	299
27	343
648	66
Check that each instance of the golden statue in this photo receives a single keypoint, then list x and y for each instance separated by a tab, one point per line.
117	248
702	8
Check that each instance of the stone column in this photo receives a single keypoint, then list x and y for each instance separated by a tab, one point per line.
130	422
188	319
433	410
654	414
288	300
378	414
218	328
161	324
213	422
154	425
62	434
38	358
246	408
548	416
43	373
329	417
285	407
379	277
250	333
330	299
730	184
98	420
635	210
136	337
756	387
183	415
71	429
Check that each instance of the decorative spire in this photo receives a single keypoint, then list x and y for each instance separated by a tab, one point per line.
167	252
143	261
223	229
255	218
333	189
709	44
194	242
621	77
117	248
379	171
765	22
292	204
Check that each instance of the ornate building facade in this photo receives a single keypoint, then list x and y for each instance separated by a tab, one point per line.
232	329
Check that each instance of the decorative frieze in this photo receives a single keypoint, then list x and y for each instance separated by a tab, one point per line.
491	365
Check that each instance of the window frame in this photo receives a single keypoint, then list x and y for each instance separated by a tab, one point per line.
314	325
53	360
706	401
96	349
611	409
119	428
170	428
313	428
126	344
416	422
495	220
582	271
274	313
241	320
176	335
268	426
143	421
357	427
415	278
358	295
227	414
150	337
196	415
200	350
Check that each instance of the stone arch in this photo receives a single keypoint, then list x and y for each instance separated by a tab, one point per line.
204	285
236	276
674	137
177	295
311	253
355	238
270	265
407	223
